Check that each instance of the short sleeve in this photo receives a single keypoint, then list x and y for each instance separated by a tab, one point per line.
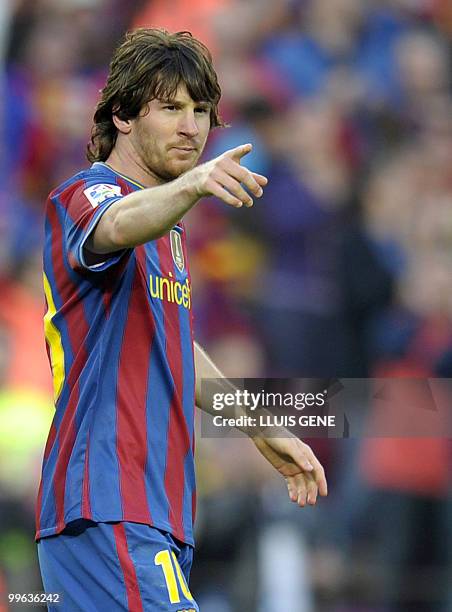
84	205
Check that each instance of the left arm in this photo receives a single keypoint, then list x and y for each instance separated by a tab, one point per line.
294	460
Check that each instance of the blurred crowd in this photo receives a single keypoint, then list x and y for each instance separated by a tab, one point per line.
341	270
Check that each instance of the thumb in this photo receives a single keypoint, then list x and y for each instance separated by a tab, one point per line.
240	151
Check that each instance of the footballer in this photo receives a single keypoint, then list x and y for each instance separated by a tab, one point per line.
117	498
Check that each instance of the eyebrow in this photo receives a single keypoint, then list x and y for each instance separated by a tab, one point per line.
176	101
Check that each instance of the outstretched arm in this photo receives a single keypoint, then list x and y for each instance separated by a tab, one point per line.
292	458
150	213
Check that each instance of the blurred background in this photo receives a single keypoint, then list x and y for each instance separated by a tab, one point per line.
343	269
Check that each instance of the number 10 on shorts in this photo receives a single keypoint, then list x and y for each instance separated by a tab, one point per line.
163	558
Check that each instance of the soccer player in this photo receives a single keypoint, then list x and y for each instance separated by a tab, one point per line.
116	502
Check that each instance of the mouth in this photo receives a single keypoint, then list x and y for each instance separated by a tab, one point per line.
186	149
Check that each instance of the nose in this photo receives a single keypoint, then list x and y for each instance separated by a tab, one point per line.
188	125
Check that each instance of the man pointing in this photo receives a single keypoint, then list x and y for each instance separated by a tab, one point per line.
117	498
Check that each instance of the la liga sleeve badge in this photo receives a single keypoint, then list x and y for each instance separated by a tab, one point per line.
96	194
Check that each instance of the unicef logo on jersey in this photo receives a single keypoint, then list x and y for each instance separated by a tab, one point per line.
176	249
170	290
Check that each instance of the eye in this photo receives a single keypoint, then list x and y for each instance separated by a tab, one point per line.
202	110
170	107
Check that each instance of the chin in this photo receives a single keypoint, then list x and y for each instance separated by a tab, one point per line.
173	168
176	170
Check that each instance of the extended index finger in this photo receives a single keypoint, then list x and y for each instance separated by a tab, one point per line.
238	152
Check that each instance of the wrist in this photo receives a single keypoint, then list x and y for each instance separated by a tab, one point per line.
190	185
262	433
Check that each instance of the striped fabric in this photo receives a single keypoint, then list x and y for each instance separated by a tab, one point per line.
120	343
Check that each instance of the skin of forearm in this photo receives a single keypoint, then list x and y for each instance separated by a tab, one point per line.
206	369
144	215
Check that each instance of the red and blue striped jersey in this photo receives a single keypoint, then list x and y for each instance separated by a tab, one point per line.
120	342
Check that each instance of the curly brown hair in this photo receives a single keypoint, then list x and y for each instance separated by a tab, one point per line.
149	64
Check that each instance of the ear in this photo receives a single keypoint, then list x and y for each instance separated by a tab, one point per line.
122	125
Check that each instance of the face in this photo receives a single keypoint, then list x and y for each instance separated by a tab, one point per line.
168	137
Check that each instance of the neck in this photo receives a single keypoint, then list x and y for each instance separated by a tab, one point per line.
125	161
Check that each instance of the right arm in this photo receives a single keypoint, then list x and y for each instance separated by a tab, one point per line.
150	213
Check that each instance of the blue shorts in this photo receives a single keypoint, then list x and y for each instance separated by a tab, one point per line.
115	567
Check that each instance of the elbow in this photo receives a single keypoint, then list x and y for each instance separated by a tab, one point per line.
127	232
123	232
109	235
119	235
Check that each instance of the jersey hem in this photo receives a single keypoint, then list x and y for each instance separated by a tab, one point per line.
54	530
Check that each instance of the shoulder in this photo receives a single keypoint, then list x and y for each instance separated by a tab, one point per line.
95	183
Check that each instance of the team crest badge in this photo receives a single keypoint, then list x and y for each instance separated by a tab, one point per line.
176	249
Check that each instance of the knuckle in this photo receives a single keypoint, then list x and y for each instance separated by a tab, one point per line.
209	185
246	177
224	163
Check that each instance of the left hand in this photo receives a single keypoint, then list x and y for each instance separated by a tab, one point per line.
295	460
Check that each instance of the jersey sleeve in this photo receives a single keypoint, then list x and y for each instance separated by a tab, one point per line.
84	204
